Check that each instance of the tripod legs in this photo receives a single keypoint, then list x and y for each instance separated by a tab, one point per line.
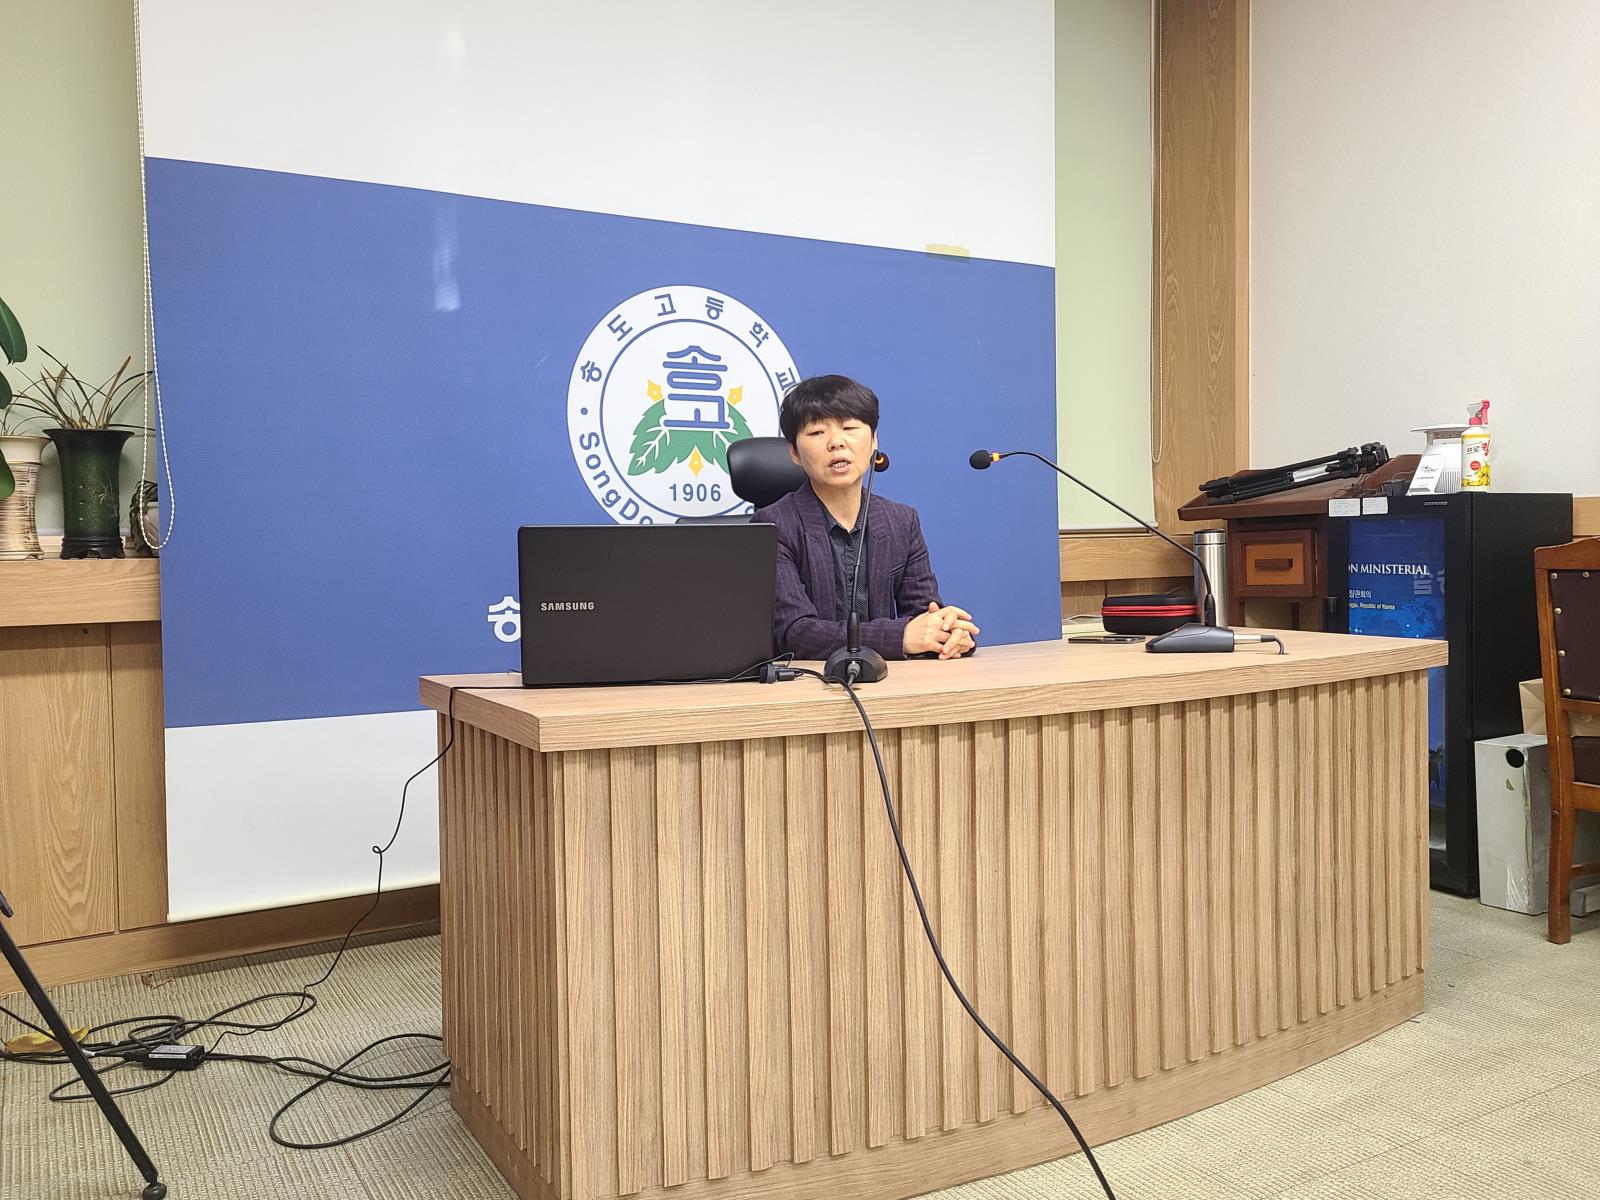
154	1188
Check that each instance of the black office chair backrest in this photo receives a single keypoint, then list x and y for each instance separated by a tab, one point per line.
761	470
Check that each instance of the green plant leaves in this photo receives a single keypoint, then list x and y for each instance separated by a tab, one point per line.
650	442
656	449
7	484
12	344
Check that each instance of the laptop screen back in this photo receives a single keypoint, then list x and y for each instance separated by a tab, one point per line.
632	603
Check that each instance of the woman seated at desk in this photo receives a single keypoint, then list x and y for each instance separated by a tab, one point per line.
831	424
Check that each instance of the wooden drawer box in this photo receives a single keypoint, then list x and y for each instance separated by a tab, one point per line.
1276	563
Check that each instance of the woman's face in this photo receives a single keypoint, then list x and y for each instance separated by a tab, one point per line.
835	453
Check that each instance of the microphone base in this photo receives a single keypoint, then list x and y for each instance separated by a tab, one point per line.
871	666
1194	639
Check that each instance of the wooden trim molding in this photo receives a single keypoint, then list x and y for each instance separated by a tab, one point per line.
55	591
1586	516
164	946
1201	424
1092	557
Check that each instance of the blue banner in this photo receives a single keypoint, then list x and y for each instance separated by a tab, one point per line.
1397	590
369	388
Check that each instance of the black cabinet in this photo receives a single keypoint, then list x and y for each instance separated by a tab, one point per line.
1458	567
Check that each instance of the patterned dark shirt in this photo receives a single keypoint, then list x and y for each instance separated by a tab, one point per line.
847	547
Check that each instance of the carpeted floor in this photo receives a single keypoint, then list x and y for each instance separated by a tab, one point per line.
1493	1092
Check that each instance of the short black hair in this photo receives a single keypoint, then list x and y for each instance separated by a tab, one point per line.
823	396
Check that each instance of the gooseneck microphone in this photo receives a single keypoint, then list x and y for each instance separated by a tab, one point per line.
1205	637
854	663
981	460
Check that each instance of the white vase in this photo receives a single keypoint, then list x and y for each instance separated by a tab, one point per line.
19	535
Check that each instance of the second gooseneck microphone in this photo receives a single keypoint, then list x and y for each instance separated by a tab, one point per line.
1206	637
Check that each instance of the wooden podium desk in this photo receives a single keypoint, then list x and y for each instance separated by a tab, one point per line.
679	957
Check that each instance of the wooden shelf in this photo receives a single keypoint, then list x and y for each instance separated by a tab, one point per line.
52	591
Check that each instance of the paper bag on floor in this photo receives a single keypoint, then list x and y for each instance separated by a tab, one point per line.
1531	693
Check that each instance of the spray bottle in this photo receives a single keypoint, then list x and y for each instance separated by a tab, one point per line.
1475	448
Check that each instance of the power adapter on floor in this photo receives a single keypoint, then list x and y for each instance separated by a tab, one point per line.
171	1057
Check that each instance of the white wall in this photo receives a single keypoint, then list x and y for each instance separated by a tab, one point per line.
864	123
1103	244
1425	229
71	261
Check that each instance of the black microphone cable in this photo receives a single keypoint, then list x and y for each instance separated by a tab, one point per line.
933	940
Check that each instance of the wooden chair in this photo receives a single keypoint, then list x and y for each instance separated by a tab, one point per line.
1568	585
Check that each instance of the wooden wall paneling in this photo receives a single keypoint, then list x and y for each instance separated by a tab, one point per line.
1339	852
1088	854
1171	822
1393	701
1361	779
1145	914
635	933
1023	871
1202	180
1056	933
1092	557
55	591
1117	896
726	970
1219	800
58	857
957	917
885	996
918	801
1323	789
683	1016
591	1025
846	928
1286	785
767	931
1196	879
1586	516
807	833
988	986
1305	822
138	750
1241	759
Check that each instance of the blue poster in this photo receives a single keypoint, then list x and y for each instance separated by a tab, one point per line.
1397	590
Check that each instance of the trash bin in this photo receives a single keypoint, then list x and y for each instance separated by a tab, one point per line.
1514	823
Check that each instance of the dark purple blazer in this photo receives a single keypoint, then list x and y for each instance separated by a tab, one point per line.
897	578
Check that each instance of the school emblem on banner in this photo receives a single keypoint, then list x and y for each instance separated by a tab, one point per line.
665	381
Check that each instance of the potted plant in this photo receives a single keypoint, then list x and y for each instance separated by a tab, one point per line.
15	347
142	521
88	440
19	532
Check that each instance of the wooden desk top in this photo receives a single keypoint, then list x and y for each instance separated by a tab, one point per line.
1000	682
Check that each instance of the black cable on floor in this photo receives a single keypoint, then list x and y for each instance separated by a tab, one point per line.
938	952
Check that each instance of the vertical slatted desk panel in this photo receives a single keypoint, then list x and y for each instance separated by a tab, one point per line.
679	957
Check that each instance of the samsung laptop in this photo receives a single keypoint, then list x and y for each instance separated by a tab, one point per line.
632	603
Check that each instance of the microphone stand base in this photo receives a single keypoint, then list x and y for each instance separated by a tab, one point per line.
870	665
1193	639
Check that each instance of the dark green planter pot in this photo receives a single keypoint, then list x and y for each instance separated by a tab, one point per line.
91	468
